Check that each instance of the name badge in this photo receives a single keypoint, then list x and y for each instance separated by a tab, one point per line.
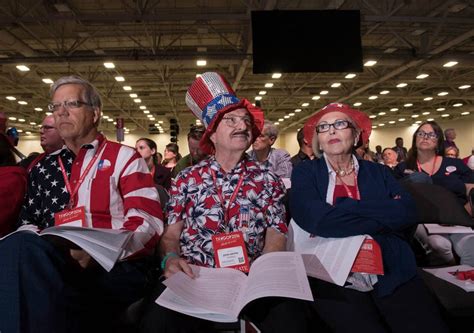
230	251
75	217
369	259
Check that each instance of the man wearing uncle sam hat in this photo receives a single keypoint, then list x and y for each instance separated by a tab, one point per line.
225	195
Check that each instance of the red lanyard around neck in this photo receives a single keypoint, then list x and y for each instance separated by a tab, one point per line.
73	192
221	198
432	168
351	195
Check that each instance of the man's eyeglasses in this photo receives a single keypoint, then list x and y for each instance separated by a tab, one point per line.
47	128
338	124
424	135
68	105
232	121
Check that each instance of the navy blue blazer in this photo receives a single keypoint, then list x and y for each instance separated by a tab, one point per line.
377	214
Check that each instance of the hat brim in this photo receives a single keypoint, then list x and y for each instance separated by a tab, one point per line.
256	113
360	119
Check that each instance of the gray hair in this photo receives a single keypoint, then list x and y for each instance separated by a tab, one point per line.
270	129
447	130
356	131
91	95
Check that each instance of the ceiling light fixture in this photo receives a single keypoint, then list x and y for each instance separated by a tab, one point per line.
422	76
109	65
402	85
276	75
201	62
350	76
119	78
47	80
268	85
22	68
370	63
450	64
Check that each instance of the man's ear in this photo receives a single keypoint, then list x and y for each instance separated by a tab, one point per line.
212	137
272	140
96	116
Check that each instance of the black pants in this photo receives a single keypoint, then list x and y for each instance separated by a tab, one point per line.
270	314
43	290
410	308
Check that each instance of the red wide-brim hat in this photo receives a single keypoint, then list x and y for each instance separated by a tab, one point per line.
210	97
360	119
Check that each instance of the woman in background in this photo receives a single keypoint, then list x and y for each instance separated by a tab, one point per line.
172	156
425	163
147	149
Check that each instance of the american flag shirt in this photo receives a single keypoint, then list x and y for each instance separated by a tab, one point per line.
194	200
117	193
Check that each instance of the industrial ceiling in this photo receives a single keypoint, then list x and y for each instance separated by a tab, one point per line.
155	46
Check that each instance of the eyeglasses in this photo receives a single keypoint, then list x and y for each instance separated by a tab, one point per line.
68	105
424	135
232	121
47	128
338	124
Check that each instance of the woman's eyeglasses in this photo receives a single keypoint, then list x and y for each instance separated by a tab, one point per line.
425	135
338	124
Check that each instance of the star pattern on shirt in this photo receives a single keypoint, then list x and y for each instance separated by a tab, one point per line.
47	191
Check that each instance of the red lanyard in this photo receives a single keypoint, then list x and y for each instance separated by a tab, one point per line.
221	198
347	189
432	169
72	193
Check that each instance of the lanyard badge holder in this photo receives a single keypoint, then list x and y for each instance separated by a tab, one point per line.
75	216
229	247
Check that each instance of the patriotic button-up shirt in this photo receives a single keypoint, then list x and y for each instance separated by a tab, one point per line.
194	200
117	193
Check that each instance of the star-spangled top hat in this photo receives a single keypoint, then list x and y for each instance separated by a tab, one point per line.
210	97
360	118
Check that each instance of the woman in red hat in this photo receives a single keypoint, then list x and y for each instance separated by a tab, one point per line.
339	196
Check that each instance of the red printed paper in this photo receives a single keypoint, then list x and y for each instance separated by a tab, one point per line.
230	251
72	217
369	258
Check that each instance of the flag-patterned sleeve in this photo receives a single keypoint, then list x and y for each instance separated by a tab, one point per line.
141	205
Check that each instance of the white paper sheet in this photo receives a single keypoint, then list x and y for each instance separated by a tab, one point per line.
328	259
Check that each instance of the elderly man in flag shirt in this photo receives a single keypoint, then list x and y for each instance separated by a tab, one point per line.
46	287
225	194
